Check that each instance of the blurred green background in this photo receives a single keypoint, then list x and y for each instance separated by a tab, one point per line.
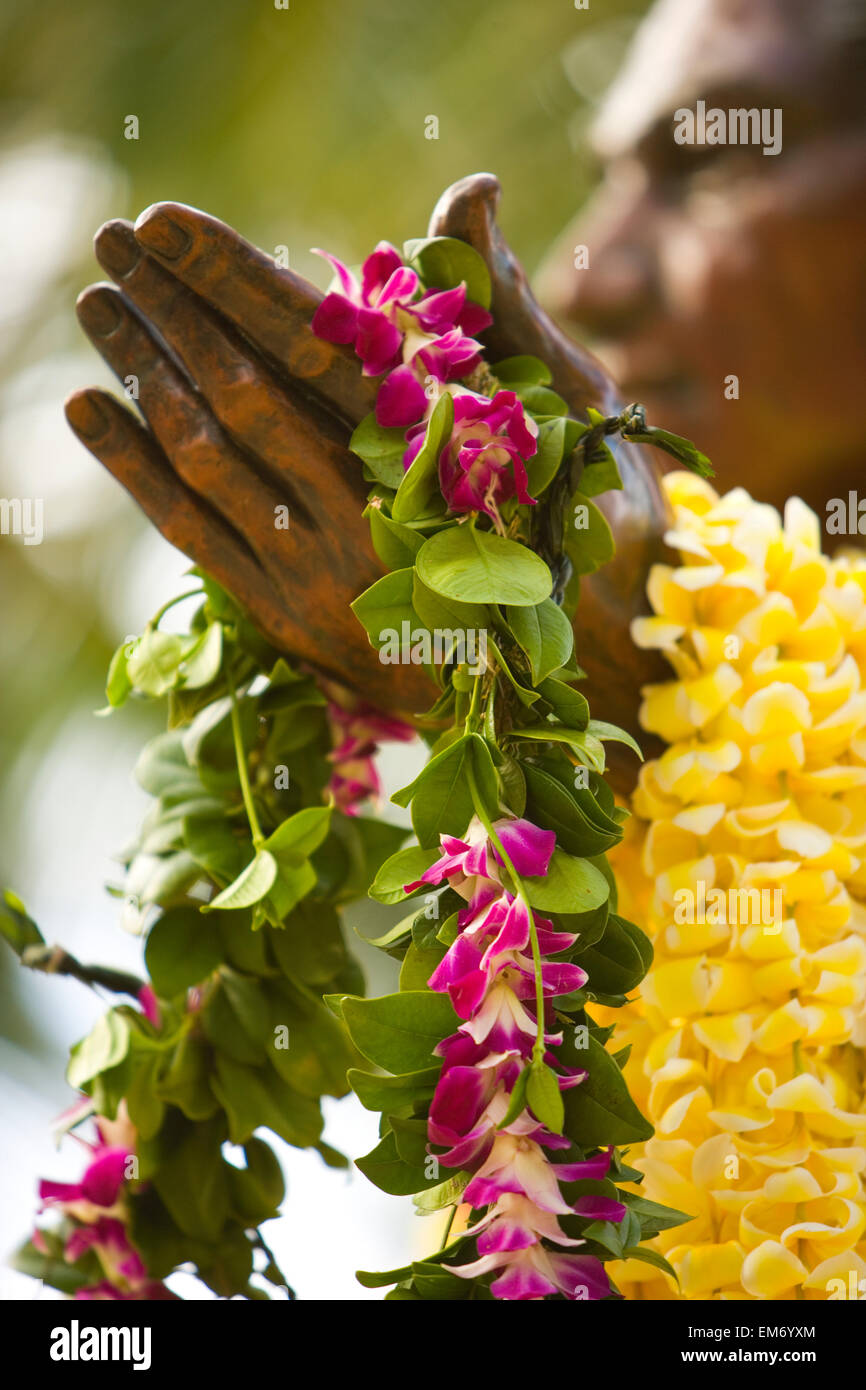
300	127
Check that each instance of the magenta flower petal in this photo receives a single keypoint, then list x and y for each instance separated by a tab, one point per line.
103	1178
473	320
149	1006
600	1208
460	958
401	399
346	280
579	1275
336	319
595	1168
399	288
378	269
438	310
521	1283
377	342
529	848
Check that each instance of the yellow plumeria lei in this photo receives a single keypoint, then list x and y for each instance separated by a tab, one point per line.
746	1039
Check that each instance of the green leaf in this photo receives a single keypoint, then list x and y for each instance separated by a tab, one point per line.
649	1257
104	1047
420	484
446	804
602	474
182	949
610	733
390	1173
614	963
16	925
443	262
117	684
570	885
522	371
587	538
186	1083
440	795
444	613
299	836
192	1180
653	1216
153	665
545	1098
146	1109
446	1194
541	401
683	450
545	634
202	664
600	1110
544	465
251	885
162	768
258	1189
381	449
395	544
253	1096
480	567
309	946
418	965
211	843
385	606
393	1093
54	1269
589	749
554	807
406	866
569	706
399	1031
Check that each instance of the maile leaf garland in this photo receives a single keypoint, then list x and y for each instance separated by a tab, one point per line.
235	881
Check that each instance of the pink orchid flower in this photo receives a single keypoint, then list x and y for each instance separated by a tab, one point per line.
376	314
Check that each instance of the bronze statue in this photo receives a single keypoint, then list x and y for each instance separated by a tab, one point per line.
704	263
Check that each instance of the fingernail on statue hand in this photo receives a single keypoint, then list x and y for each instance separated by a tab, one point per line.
157	232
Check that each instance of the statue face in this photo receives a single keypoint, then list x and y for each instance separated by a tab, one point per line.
709	261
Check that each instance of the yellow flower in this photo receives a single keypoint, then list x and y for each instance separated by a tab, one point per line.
745	859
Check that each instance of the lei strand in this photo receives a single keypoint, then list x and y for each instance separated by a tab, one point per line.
493	1066
747	1045
236	878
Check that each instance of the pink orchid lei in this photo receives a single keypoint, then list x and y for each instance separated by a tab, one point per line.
94	1239
496	1070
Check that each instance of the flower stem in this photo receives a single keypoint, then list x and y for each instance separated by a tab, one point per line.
243	774
446	1234
179	598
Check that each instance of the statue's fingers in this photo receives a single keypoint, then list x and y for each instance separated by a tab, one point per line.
179	418
311	622
468	210
130	453
290	435
272	306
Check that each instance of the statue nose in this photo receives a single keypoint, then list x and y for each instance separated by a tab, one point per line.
602	274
